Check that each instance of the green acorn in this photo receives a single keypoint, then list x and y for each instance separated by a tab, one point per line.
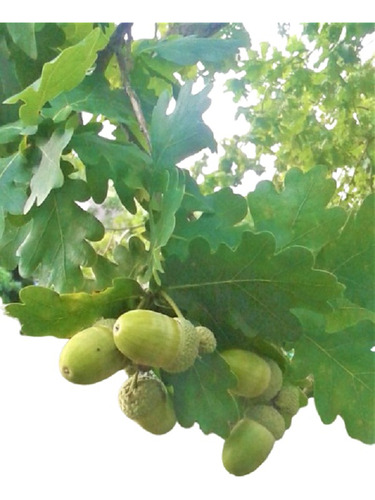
91	355
144	399
247	447
153	339
253	372
276	381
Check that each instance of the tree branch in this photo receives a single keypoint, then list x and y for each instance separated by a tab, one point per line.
115	42
134	101
119	43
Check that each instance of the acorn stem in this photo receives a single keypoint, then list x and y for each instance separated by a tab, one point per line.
173	304
134	382
142	303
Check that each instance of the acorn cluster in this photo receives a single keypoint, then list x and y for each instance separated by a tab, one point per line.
268	405
142	342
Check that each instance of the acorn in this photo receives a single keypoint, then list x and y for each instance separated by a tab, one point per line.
253	373
145	399
91	355
155	340
247	447
275	384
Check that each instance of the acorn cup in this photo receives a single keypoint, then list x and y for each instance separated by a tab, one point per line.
144	399
155	340
288	402
207	340
288	399
267	416
91	355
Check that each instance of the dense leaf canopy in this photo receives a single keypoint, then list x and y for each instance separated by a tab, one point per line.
97	212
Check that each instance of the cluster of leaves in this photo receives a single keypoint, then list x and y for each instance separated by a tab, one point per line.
281	270
310	104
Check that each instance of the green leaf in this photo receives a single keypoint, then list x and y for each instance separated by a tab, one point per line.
128	262
9	83
13	180
194	200
61	74
298	215
94	96
105	272
23	35
343	367
167	188
161	71
57	248
201	395
165	203
217	225
48	174
12	131
346	314
44	312
351	256
104	159
132	259
181	133
250	288
75	32
187	51
11	237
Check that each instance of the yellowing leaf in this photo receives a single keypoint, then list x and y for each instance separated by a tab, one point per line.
61	74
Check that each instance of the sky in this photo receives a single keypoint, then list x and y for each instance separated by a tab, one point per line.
59	440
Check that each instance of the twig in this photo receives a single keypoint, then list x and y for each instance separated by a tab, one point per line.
172	303
121	38
116	40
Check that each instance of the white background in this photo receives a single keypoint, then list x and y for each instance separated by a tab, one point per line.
59	440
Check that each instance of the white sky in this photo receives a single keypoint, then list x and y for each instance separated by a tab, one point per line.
59	440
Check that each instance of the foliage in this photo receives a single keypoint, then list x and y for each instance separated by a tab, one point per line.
309	104
104	223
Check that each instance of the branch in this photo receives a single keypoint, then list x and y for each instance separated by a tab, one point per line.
124	62
116	41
